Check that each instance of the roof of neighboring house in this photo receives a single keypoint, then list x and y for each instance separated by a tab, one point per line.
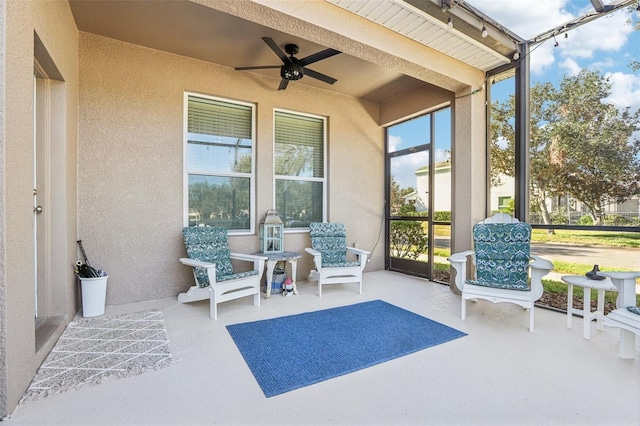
440	166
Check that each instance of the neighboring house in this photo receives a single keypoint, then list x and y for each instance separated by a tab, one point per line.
101	102
502	195
442	182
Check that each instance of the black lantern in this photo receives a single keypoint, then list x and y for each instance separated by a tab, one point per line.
272	233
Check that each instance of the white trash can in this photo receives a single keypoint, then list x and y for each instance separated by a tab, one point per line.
94	294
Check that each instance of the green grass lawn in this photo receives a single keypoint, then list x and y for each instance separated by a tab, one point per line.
588	238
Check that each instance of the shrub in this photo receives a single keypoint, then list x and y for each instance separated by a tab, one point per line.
585	220
615	220
443	216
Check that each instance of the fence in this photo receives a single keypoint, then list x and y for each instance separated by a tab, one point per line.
580	218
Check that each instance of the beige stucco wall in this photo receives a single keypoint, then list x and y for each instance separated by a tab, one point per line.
469	168
130	166
3	245
116	165
54	24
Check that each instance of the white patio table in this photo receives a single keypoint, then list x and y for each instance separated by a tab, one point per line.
272	259
586	314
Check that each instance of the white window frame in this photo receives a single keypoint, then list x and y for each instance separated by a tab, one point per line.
325	166
187	171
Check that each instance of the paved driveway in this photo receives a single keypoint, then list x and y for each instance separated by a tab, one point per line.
628	258
604	256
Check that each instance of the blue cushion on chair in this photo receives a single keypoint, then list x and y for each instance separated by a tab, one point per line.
210	244
330	239
502	255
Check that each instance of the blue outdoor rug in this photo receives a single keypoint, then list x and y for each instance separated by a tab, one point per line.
291	352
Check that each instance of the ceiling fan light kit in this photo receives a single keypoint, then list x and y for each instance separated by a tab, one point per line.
293	69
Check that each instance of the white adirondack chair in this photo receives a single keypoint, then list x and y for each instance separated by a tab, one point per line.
209	255
626	316
329	250
503	262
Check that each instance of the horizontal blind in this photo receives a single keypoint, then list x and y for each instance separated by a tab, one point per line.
214	117
302	136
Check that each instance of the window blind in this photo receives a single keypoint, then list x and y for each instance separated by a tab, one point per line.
299	139
214	117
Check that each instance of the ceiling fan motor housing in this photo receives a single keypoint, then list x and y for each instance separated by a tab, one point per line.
293	68
292	71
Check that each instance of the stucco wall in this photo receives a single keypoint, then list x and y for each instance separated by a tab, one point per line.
3	278
130	167
54	24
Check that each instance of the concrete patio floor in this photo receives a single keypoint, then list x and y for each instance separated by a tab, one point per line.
499	374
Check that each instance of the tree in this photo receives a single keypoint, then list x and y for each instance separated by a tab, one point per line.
580	144
397	196
634	64
543	173
593	144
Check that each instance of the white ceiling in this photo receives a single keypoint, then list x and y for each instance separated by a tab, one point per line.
420	26
196	31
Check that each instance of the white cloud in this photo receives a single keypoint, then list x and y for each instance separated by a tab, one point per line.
625	90
394	142
606	34
571	66
526	18
541	58
404	166
529	18
606	63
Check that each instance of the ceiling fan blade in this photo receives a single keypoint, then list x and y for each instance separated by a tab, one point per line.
258	68
319	76
318	56
283	84
272	44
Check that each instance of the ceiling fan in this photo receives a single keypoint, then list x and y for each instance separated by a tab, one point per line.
293	68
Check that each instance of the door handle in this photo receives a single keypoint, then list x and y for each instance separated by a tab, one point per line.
38	209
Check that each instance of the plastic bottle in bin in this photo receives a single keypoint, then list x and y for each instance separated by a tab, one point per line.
277	281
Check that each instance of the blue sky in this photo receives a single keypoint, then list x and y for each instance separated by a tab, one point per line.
608	44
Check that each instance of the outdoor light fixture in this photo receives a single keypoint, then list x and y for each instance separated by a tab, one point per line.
484	33
450	22
292	71
516	56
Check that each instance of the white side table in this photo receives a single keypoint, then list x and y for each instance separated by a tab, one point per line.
273	258
626	284
586	314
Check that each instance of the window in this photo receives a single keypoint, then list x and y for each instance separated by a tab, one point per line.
219	163
299	168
